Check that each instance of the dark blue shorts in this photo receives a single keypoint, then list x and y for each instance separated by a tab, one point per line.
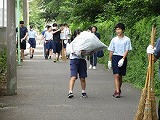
116	69
49	45
32	42
56	46
78	66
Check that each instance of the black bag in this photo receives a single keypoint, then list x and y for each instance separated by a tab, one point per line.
100	53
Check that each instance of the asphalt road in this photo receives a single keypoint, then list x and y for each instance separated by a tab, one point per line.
43	89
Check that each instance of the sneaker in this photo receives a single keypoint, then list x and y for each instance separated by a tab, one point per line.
94	67
84	95
116	95
70	95
46	57
31	56
90	67
54	60
49	57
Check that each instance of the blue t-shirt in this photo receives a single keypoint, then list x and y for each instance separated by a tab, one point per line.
120	45
157	54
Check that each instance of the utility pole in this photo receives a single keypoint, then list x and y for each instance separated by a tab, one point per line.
11	49
25	12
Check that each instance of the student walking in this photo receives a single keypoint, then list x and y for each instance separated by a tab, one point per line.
32	41
93	58
56	43
48	36
118	51
77	66
156	52
23	37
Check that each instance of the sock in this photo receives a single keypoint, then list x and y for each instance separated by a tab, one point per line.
83	91
70	91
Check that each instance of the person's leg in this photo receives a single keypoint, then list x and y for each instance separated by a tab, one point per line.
117	82
30	51
73	72
91	61
46	51
71	84
94	60
83	84
82	70
22	54
120	82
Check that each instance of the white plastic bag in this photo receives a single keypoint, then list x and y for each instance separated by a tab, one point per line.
68	49
87	42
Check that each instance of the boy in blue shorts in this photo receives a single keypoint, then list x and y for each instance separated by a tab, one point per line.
78	65
32	41
119	48
48	36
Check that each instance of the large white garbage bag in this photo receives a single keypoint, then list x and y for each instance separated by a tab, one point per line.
87	42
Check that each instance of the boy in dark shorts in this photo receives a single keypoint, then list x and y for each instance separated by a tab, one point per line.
156	52
48	36
56	43
23	37
32	41
77	66
119	48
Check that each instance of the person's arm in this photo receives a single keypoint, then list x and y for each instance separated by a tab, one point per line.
110	55
56	31
125	54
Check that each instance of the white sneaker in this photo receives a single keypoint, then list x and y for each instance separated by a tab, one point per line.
94	67
90	67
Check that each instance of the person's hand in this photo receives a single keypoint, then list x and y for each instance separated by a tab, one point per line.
22	39
150	49
109	64
120	63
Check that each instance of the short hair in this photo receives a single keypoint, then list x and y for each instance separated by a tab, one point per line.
48	26
120	25
90	28
31	27
94	27
55	25
21	22
61	25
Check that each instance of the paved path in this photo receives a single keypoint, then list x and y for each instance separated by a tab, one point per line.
43	89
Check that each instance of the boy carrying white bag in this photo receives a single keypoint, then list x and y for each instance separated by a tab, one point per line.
86	42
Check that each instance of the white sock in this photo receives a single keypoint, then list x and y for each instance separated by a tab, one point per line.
70	91
83	91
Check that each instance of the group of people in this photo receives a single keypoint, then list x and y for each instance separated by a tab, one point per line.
24	34
119	48
55	38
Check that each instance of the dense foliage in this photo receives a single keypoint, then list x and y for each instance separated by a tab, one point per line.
3	63
137	15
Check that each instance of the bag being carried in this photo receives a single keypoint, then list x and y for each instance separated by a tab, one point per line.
87	42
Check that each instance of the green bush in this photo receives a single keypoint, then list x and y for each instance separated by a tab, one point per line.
3	63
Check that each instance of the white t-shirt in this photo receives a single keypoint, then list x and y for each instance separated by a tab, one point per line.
48	35
32	34
120	45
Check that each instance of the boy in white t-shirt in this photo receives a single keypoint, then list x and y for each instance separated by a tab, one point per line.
119	48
